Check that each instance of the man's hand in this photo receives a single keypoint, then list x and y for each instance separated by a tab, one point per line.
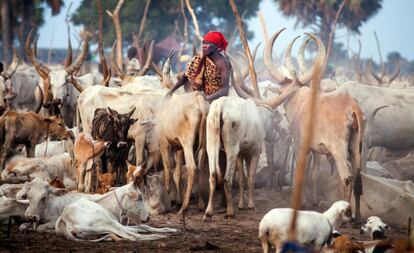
169	94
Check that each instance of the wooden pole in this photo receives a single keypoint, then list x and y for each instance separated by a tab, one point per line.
192	13
115	17
332	33
246	49
143	20
102	59
304	153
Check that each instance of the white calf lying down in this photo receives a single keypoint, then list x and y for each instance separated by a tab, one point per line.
47	203
375	228
46	168
313	228
84	219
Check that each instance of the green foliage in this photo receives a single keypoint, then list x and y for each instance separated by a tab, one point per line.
321	13
164	17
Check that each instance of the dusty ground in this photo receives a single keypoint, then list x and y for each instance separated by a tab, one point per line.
219	235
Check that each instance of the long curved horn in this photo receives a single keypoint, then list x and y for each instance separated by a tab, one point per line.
41	69
106	80
397	72
148	62
35	44
76	84
307	76
245	73
81	57
372	72
301	56
11	69
114	65
38	105
166	78
288	58
268	60
68	60
237	81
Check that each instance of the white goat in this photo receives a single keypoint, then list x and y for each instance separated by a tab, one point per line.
313	228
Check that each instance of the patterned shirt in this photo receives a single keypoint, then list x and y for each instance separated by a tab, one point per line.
203	75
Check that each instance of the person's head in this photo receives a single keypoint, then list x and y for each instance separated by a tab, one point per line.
132	53
214	41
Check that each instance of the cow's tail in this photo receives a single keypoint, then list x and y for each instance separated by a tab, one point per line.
355	148
213	139
78	118
201	149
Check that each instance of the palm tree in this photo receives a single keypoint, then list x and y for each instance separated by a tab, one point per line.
320	14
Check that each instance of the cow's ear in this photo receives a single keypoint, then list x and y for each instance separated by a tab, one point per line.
48	120
114	176
132	121
58	191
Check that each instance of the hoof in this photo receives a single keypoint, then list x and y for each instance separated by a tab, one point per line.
229	216
207	218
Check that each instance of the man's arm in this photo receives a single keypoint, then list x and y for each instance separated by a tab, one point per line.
224	65
179	83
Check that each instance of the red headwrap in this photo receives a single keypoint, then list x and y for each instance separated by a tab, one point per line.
217	38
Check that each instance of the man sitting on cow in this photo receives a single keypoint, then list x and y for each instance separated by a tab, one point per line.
209	70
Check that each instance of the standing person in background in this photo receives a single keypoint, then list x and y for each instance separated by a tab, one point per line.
209	70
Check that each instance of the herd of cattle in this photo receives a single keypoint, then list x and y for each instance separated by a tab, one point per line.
126	140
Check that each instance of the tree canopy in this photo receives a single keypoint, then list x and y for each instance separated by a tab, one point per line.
164	17
320	14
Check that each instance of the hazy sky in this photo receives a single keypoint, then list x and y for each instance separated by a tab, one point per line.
393	24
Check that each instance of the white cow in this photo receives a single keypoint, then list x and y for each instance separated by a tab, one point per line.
84	219
238	126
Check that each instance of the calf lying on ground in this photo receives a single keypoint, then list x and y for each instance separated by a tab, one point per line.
84	219
375	228
313	228
156	198
46	168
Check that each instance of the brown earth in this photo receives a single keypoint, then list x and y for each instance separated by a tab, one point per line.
219	235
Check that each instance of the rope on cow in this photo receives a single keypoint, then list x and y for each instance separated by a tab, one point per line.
47	138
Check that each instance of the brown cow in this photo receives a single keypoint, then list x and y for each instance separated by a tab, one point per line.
27	128
87	152
338	125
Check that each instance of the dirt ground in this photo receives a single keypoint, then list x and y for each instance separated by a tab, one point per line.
219	235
